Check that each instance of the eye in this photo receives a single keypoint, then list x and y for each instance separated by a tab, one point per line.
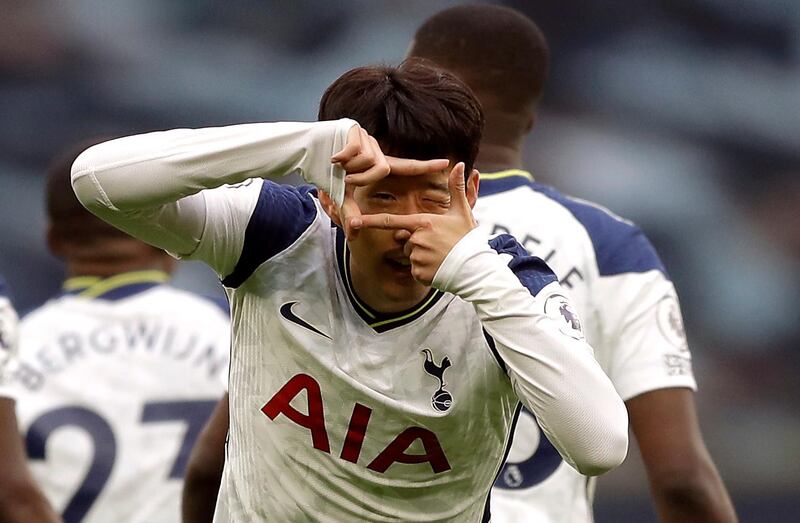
383	196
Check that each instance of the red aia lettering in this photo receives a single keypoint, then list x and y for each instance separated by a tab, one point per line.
395	452
313	421
355	433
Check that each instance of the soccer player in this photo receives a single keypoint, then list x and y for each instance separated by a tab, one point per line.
375	374
118	374
21	500
626	302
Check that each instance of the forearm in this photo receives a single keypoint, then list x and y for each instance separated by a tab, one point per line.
684	482
21	500
23	503
200	497
701	500
555	375
148	184
204	471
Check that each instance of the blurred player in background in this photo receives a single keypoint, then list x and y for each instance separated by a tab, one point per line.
621	290
21	501
118	374
375	374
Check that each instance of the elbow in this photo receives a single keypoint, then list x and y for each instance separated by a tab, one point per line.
84	182
609	456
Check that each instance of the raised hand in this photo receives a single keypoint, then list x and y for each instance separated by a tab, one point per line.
432	236
364	162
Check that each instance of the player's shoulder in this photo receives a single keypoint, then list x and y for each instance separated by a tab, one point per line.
282	216
183	301
620	245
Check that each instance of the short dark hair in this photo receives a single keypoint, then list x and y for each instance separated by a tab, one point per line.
69	220
414	110
501	53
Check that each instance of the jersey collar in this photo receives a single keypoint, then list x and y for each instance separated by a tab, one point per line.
114	287
497	182
379	321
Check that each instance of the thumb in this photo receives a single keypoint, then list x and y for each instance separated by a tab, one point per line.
458	190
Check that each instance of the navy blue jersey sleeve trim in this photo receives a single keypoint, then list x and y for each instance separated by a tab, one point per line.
532	272
487	507
620	246
493	348
280	217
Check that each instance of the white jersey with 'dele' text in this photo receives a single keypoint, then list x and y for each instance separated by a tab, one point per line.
624	303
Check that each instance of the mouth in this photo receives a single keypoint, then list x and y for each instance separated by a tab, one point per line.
399	265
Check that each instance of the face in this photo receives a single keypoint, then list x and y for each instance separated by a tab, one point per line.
381	270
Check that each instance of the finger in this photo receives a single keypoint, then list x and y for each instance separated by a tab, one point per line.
371	175
351	214
458	189
409	222
401	235
352	148
408	167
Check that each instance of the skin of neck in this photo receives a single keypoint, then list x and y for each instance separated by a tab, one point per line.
501	144
104	269
113	257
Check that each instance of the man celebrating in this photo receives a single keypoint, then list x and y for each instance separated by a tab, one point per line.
381	345
619	285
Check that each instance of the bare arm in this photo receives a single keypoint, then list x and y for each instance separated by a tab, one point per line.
204	471
21	501
684	482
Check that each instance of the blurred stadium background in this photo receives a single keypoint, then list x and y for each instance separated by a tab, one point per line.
683	115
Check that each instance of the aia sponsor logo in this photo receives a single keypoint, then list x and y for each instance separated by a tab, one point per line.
313	420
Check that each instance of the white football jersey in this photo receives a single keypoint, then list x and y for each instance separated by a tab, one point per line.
8	341
629	313
337	412
115	380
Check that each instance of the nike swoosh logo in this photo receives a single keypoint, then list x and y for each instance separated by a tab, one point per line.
286	312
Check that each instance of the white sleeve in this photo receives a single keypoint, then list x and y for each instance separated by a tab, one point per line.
643	331
552	369
150	185
8	345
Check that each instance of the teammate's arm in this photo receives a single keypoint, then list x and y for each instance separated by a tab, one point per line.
204	470
650	364
684	482
21	501
555	375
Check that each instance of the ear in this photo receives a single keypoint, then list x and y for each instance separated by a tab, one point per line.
531	120
330	207
473	184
